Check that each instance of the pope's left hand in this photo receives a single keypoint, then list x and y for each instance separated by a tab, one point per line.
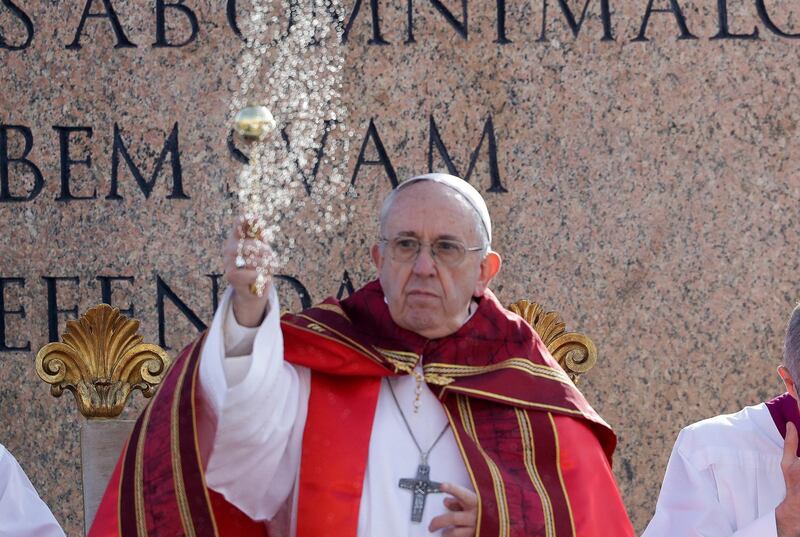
462	519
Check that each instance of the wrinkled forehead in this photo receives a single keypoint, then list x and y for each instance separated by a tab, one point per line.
466	191
427	207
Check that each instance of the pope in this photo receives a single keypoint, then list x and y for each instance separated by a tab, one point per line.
416	406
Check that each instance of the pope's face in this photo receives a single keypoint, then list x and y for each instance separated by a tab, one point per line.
425	295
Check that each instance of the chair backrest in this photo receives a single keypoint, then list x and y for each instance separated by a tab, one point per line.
101	359
575	353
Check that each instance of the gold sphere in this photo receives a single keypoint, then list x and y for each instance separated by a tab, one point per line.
254	122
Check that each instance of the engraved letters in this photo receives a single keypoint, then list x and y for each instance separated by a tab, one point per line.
366	21
21	179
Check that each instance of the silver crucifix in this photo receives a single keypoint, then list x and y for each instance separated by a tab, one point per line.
421	486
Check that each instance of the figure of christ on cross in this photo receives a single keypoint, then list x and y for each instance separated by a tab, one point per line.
420	486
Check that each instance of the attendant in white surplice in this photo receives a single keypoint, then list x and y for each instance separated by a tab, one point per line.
22	512
734	475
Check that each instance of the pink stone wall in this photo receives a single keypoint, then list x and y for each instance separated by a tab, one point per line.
650	190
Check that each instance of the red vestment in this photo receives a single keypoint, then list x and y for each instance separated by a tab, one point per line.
537	454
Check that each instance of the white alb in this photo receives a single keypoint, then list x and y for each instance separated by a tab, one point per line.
723	479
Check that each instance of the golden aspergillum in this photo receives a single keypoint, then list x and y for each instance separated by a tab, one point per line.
254	122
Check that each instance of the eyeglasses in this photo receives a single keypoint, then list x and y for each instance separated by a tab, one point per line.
448	252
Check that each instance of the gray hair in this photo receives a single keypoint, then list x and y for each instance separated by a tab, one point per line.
791	344
386	207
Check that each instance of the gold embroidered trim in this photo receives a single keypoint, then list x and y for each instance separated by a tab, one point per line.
195	374
138	478
406	361
400	356
561	477
521	364
335	309
402	361
529	453
497	478
438	380
175	448
346	340
466	463
511	400
315	327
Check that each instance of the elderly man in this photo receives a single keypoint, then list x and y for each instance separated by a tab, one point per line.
735	475
344	419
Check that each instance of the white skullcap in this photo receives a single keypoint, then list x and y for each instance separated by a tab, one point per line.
466	190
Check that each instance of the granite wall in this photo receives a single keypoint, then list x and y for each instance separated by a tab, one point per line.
639	158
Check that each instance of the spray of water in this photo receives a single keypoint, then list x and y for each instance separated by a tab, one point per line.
298	45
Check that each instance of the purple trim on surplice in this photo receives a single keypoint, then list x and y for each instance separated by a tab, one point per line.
783	409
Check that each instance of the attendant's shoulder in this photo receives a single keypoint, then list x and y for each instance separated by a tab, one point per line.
725	429
749	430
725	423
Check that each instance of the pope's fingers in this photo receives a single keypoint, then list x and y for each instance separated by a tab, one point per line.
249	252
453	505
459	532
241	278
233	245
467	498
247	228
453	518
249	292
237	230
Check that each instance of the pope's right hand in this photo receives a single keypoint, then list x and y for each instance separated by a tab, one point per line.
249	307
787	514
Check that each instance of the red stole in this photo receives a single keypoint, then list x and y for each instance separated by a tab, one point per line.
509	403
158	488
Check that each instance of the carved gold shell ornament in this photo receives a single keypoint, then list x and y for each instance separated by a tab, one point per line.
575	353
101	360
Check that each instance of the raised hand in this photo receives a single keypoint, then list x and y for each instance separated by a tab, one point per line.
462	519
787	514
249	306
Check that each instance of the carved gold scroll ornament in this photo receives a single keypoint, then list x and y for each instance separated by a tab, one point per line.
575	353
101	360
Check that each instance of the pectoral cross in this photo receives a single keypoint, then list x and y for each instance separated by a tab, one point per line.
421	486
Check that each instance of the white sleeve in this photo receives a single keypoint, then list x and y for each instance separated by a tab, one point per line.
259	406
22	512
688	505
765	526
238	347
